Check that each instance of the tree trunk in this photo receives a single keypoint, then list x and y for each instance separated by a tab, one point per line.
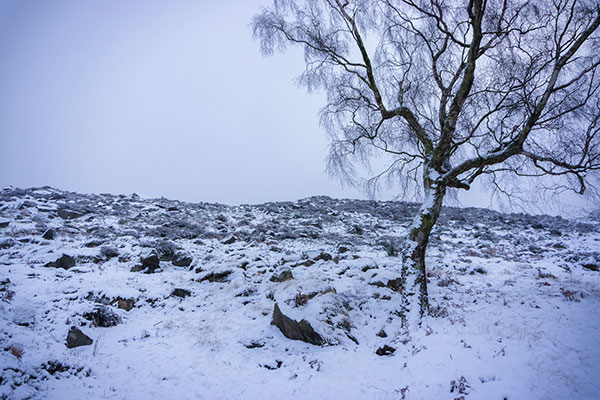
414	277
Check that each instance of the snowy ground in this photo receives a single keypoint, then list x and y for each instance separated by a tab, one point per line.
516	300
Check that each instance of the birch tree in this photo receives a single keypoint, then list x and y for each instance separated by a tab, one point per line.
449	91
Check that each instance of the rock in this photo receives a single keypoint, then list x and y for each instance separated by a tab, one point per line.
125	304
130	232
49	234
183	293
181	259
385	278
295	330
150	261
285	274
591	267
52	367
103	317
4	223
231	240
255	344
64	262
137	268
94	243
7	243
166	250
272	367
306	263
65	213
357	230
323	256
109	251
76	338
382	334
385	351
217	276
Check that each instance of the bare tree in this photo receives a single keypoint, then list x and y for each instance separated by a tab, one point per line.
450	91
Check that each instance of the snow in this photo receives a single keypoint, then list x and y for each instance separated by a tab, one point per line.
516	309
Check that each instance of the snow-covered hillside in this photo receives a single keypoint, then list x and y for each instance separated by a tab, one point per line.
177	299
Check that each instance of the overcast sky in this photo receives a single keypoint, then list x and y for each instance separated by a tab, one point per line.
159	98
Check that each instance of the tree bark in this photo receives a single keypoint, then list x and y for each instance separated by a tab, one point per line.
414	274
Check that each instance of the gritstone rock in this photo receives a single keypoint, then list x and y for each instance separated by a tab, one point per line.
283	275
181	259
76	338
181	293
49	234
150	261
64	262
385	350
295	330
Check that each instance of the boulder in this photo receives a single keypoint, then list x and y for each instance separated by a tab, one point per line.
49	234
64	262
76	338
295	330
150	261
109	251
183	293
181	259
125	304
323	256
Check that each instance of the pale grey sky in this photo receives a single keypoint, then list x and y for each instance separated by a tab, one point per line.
159	98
